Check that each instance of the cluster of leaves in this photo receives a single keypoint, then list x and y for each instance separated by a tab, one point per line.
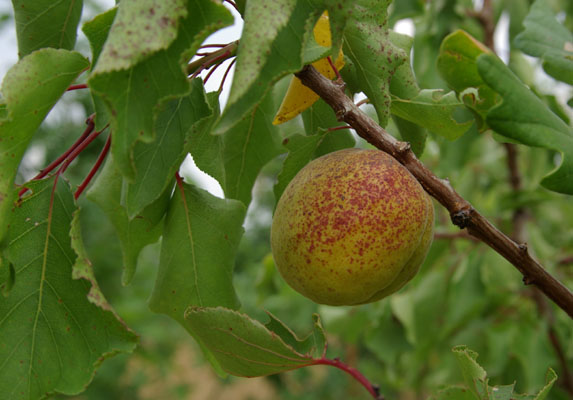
56	326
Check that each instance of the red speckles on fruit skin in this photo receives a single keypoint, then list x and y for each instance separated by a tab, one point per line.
348	221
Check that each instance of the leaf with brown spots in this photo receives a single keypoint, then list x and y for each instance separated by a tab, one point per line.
55	325
30	89
143	66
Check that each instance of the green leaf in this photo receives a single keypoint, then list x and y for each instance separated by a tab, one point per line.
97	31
404	85
367	43
200	239
55	326
405	9
236	157
143	65
45	23
158	162
501	392
30	89
302	149
273	41
523	117
245	347
546	38
442	114
550	380
458	66
454	393
135	232
474	375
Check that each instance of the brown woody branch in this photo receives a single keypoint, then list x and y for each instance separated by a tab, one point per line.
461	212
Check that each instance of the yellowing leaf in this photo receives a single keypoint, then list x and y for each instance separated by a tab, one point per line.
298	97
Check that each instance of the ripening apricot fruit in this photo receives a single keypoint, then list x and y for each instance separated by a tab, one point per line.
352	227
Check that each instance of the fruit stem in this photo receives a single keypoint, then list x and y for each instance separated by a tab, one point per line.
374	390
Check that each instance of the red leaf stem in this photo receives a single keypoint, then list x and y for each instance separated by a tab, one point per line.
225	75
94	169
92	136
233	4
76	87
334	68
338	128
210	62
213	68
54	164
372	389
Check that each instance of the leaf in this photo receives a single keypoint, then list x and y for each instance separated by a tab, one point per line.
546	38
404	85
30	89
367	43
45	23
245	347
143	65
442	114
550	380
273	41
474	375
200	239
55	326
299	97
236	157
135	232
458	66
319	141
523	117
158	162
454	393
97	31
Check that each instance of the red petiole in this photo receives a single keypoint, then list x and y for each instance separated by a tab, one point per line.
94	169
372	389
76	87
54	164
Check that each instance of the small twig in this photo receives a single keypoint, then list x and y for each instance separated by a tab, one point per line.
94	169
215	45
374	390
363	101
461	211
194	68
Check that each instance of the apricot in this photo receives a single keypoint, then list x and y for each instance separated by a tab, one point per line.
352	227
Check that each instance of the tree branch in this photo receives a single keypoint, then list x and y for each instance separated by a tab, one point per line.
462	213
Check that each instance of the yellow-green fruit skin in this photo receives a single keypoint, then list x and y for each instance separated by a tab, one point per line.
352	227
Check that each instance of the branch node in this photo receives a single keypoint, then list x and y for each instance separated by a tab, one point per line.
527	281
522	247
403	147
341	114
462	218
